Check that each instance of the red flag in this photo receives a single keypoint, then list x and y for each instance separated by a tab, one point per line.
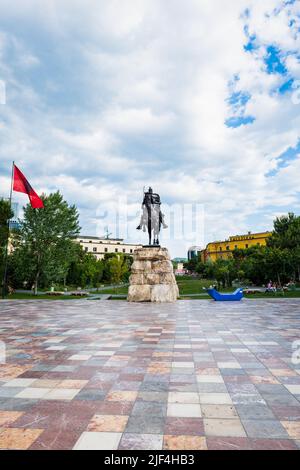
22	186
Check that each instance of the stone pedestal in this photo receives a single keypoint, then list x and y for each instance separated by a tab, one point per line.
152	278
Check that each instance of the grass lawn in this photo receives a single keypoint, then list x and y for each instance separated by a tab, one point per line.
191	285
187	286
42	296
114	290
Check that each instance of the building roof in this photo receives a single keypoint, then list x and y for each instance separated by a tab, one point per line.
244	236
120	241
92	237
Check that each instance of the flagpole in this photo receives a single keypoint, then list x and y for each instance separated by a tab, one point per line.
4	280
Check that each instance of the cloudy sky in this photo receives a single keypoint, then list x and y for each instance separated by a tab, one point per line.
199	101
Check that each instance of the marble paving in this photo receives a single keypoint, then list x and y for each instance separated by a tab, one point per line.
193	375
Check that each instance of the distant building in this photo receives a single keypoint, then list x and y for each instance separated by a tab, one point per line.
100	246
180	270
223	249
14	223
178	264
179	260
194	252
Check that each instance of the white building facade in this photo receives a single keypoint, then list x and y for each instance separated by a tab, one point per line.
100	246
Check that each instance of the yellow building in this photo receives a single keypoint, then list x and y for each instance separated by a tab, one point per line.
223	249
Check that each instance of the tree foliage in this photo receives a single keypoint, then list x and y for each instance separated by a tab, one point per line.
5	214
43	248
278	261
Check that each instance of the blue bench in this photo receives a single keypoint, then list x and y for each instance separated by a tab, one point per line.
236	295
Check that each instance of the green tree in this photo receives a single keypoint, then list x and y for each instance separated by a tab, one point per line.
222	272
117	267
200	268
92	270
43	245
191	264
5	214
286	236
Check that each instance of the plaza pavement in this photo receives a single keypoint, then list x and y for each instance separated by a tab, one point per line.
111	375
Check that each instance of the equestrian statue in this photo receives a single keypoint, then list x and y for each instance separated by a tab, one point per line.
152	218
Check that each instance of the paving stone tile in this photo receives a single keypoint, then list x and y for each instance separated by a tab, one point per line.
286	399
18	439
184	410
152	396
219	411
184	442
183	397
264	429
134	441
286	413
145	424
98	441
107	423
182	426
87	393
254	412
31	392
292	428
149	408
228	443
9	392
61	394
212	379
215	398
294	389
272	444
223	427
192	375
8	417
19	383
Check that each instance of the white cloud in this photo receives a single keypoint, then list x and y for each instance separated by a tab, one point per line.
134	92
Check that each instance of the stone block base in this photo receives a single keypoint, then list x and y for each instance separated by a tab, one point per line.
152	278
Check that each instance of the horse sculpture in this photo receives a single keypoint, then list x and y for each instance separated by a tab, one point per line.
152	217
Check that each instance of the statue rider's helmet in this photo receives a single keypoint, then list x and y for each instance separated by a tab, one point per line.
150	190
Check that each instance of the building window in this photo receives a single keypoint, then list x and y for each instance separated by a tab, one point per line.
130	250
116	250
124	251
220	249
235	246
94	249
247	245
227	248
86	248
105	249
258	244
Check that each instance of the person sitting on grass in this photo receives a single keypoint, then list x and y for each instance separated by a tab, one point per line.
269	287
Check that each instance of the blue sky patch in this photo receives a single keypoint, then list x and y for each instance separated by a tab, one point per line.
285	158
286	86
273	61
239	98
237	121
